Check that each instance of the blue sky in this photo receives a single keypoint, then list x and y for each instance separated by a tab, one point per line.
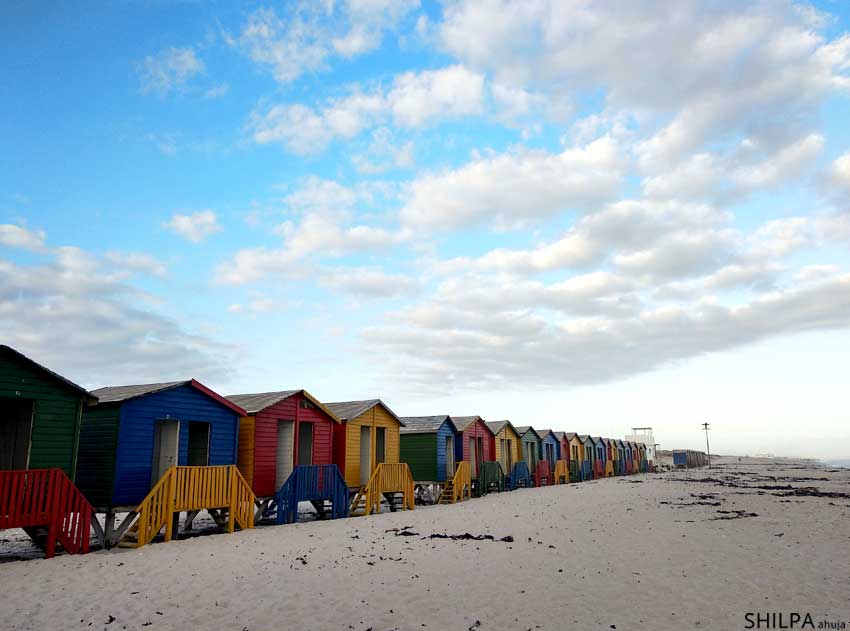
585	216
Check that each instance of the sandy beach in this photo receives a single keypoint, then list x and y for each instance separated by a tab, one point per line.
676	550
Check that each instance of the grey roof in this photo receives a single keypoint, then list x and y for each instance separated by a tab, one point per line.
261	400
496	426
571	435
254	403
113	394
425	424
462	422
560	435
522	430
34	364
543	433
584	438
118	394
347	410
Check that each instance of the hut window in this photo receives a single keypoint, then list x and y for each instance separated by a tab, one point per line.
199	444
305	443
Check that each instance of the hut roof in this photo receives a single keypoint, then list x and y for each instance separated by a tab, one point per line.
463	422
522	430
119	394
256	402
23	359
425	424
347	410
544	433
497	426
571	435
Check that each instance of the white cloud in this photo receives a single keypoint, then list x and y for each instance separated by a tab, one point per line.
12	236
466	345
216	91
194	227
414	99
731	176
384	153
137	262
311	33
509	190
368	282
837	176
325	224
168	70
77	314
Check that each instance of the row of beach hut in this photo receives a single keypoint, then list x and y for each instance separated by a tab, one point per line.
128	461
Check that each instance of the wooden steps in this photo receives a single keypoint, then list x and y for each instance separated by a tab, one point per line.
220	490
48	507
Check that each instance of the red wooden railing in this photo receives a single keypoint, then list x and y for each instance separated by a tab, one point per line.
46	498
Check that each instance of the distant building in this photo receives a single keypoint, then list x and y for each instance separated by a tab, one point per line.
644	435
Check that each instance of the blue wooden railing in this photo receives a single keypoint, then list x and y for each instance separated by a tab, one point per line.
519	476
586	470
309	483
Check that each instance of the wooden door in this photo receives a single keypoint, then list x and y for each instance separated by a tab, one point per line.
450	458
15	431
166	442
365	454
380	445
285	452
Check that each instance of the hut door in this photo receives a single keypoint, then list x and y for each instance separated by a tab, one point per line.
473	456
305	443
15	429
285	451
450	458
365	454
166	440
479	454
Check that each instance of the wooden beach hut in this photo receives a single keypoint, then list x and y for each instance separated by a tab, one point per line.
621	456
156	450
530	445
561	472
476	444
576	457
600	453
367	446
40	414
589	456
550	447
289	434
428	446
509	454
612	446
609	457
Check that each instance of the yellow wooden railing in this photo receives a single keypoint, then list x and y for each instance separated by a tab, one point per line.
609	469
190	489
388	478
562	470
462	482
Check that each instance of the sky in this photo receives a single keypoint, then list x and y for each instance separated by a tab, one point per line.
585	216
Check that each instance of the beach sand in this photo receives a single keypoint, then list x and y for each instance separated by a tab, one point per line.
691	549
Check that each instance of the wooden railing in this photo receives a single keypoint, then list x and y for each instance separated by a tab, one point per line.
461	482
609	469
388	478
309	483
561	475
46	499
192	489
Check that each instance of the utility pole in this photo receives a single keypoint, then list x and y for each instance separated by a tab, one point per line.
707	449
